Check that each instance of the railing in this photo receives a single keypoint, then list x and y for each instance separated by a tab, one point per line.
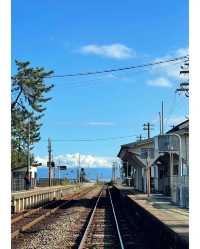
180	180
44	182
18	184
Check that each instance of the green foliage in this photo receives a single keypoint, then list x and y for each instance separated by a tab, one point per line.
27	108
65	181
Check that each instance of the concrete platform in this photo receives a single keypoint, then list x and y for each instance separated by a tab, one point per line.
160	207
40	195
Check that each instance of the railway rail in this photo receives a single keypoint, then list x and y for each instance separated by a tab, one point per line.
107	228
22	222
93	220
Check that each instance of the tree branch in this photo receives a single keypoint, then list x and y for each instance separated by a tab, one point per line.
15	102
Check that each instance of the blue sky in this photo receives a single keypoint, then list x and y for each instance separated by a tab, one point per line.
79	36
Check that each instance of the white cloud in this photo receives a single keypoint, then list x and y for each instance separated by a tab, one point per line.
85	124
171	70
85	160
175	120
116	51
100	123
159	82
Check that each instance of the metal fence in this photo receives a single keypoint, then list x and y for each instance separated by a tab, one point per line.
180	180
18	184
44	182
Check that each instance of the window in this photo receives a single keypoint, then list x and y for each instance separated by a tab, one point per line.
175	170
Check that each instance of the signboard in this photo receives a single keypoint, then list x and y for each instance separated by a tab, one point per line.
62	167
52	164
147	153
168	143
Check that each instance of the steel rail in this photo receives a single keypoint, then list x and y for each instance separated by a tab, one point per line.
43	216
83	240
38	219
34	210
116	222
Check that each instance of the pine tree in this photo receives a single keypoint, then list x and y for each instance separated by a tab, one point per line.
27	108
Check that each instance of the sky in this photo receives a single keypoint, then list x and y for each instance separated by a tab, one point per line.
80	36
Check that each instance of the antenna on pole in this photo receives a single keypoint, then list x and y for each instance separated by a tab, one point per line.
160	122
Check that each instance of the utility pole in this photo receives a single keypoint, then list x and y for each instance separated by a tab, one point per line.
79	165
148	175
59	172
184	85
148	127
28	165
140	137
78	169
49	162
28	168
113	172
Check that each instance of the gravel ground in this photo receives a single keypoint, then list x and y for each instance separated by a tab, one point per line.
58	231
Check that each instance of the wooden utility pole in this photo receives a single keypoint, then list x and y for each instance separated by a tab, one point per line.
49	162
184	85
28	168
148	127
79	167
113	172
148	175
140	138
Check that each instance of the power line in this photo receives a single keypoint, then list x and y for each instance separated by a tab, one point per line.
118	69
90	140
101	81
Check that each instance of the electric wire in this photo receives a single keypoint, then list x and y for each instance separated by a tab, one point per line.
89	140
117	69
96	82
120	69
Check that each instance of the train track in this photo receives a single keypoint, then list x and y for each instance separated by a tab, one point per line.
107	228
94	220
22	222
102	230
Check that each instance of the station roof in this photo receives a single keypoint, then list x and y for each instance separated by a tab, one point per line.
182	126
135	144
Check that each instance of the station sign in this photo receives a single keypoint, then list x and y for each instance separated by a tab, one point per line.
167	143
62	167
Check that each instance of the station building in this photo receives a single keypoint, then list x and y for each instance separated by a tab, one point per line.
169	169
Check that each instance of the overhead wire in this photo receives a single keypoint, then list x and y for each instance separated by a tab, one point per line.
89	140
101	81
120	69
117	69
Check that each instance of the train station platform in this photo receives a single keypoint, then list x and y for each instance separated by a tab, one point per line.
170	221
25	199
